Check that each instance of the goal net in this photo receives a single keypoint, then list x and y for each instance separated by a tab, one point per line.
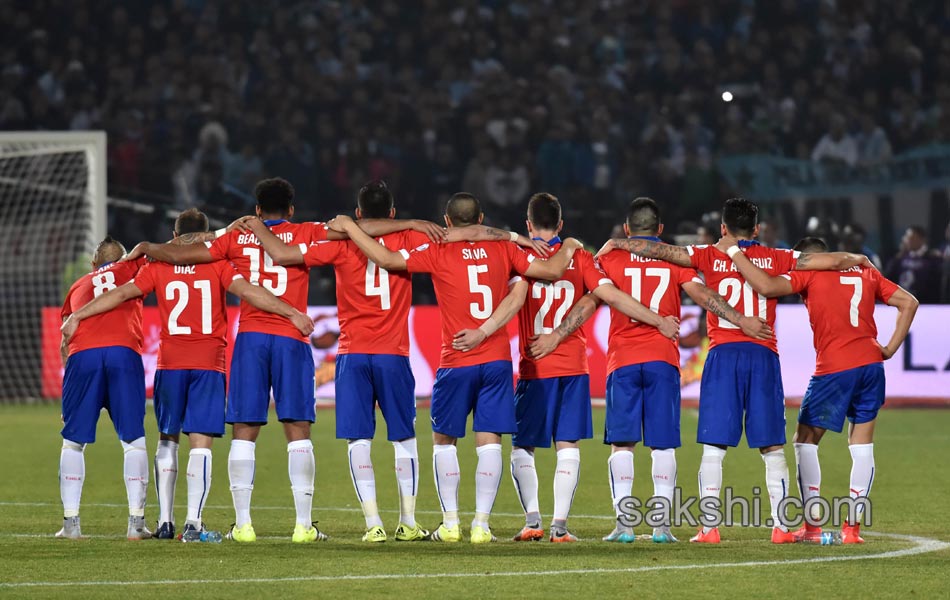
52	213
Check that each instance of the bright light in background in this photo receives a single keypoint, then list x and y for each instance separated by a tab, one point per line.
727	96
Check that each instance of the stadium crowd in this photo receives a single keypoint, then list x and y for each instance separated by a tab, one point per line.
201	99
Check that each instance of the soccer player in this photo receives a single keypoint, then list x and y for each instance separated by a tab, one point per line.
189	383
849	371
552	399
742	379
470	280
372	364
104	370
269	352
643	381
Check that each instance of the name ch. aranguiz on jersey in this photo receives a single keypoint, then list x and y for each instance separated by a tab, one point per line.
727	266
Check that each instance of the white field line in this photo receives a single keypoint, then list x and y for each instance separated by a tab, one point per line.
921	546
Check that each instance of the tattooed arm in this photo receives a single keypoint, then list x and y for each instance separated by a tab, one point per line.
193	238
831	261
544	344
483	233
677	255
717	305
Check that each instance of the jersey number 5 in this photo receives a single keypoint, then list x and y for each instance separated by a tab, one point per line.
484	311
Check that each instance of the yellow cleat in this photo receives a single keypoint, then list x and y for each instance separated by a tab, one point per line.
447	534
404	533
304	534
375	534
243	534
481	535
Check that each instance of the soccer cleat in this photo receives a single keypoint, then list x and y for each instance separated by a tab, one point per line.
663	535
447	534
375	534
191	532
303	534
807	533
481	535
851	534
621	534
71	529
529	534
562	536
244	534
404	533
137	529
708	537
166	531
783	537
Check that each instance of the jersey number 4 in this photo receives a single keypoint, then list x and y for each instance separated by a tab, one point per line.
181	290
382	288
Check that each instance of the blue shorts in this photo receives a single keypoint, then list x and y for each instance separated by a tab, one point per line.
365	380
112	378
742	382
856	393
262	361
555	408
189	400
485	389
643	403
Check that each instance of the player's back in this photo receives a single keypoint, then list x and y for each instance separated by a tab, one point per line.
841	310
722	276
546	306
291	283
470	279
192	307
655	284
121	326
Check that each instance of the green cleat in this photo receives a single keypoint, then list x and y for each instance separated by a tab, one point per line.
375	534
304	534
244	534
447	534
404	533
481	535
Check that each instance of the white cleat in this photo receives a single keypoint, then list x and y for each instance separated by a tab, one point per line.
71	529
137	529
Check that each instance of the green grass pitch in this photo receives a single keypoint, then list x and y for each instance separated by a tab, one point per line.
909	498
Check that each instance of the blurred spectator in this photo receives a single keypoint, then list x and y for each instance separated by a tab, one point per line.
917	268
836	146
945	253
770	234
506	189
852	240
873	145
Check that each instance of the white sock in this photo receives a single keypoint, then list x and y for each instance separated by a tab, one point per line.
166	476
301	468
776	481
241	475
135	469
620	468
862	472
566	473
199	482
710	473
664	475
72	473
487	479
407	476
525	477
445	467
364	480
809	472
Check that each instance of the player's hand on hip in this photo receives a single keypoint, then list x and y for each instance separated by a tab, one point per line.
69	328
303	323
468	339
542	345
435	232
242	223
756	328
886	352
607	248
670	327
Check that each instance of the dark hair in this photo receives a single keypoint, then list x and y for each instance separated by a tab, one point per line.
463	209
643	216
811	244
108	250
918	230
740	216
544	211
191	221
275	196
374	200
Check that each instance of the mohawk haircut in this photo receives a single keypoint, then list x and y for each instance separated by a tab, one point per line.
544	211
191	221
108	250
811	245
463	209
374	200
275	196
643	216
740	216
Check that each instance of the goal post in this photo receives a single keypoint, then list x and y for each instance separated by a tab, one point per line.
52	214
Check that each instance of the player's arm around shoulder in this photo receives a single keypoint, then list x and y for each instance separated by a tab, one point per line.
469	339
763	283
753	327
379	254
281	253
553	268
831	261
630	306
97	306
184	254
678	255
484	233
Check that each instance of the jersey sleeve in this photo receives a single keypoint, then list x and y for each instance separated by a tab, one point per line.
593	275
520	260
885	287
799	280
67	303
312	232
687	275
784	260
324	253
220	247
414	239
145	279
422	259
699	257
226	273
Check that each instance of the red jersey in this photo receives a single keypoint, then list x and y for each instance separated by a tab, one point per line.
372	303
470	279
547	304
193	312
290	284
121	326
841	310
722	276
656	284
